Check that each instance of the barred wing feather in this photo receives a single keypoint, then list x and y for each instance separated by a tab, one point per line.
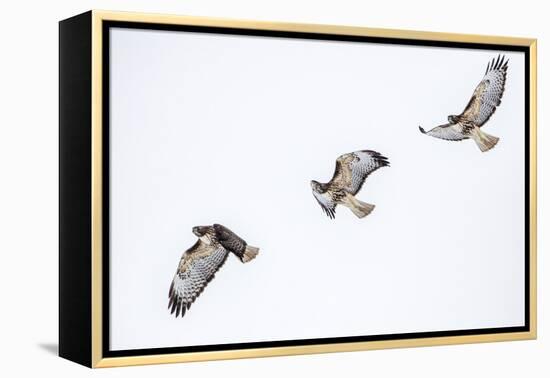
488	94
352	169
328	206
197	268
446	132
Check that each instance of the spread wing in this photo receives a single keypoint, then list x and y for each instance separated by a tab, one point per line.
229	240
488	93
196	269
447	132
352	169
328	206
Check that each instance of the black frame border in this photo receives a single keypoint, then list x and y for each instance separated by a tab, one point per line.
107	25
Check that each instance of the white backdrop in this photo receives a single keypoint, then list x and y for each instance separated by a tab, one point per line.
230	129
28	159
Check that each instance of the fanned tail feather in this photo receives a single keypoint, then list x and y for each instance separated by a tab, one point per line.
359	208
250	253
484	141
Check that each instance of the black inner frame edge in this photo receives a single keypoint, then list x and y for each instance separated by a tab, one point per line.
106	25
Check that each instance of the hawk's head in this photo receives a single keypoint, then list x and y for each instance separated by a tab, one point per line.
201	230
453	119
316	186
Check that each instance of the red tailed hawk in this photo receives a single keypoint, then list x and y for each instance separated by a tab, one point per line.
199	264
482	105
349	176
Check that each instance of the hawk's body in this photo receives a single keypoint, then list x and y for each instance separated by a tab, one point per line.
199	264
487	96
349	176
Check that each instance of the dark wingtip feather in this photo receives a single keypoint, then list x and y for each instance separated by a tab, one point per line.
421	130
382	160
329	212
181	307
378	157
174	302
499	64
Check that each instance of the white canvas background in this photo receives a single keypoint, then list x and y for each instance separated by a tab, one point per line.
208	128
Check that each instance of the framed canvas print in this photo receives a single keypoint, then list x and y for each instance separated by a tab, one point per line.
236	189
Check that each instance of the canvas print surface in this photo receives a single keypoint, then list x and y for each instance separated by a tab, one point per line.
268	189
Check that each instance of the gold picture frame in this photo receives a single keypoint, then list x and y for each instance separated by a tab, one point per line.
83	340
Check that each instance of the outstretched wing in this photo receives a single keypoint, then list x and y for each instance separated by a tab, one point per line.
196	269
328	206
447	132
488	93
229	240
352	169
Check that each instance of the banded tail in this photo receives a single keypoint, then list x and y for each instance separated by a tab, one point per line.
250	253
359	208
484	141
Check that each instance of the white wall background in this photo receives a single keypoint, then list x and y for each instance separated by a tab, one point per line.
28	162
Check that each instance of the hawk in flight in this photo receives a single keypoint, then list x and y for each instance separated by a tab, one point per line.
349	176
199	264
482	105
